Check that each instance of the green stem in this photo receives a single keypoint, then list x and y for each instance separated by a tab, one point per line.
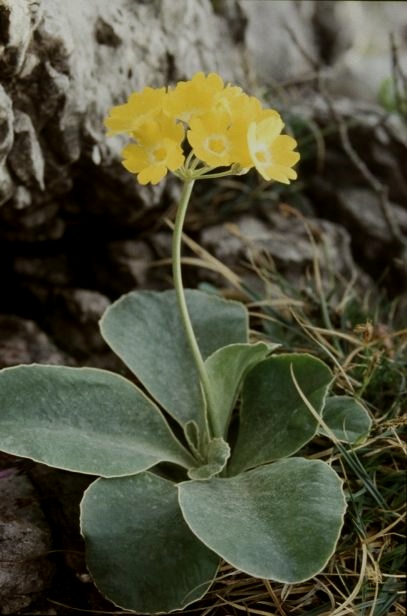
179	290
205	175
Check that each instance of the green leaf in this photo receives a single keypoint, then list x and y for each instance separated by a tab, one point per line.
218	455
386	96
140	552
84	420
226	369
280	521
274	421
192	435
144	328
347	419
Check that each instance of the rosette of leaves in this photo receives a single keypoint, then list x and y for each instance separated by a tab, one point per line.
181	486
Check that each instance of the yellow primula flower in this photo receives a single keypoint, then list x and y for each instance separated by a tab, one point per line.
140	107
219	137
210	140
246	109
272	153
193	98
225	128
229	100
158	149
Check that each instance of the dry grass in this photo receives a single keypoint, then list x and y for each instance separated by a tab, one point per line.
358	338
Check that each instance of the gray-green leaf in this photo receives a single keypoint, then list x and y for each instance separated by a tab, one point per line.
226	368
83	419
274	420
217	456
280	521
347	419
140	551
144	328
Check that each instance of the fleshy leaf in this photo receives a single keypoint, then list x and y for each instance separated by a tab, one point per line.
226	368
144	329
218	455
140	552
274	421
280	521
347	419
85	420
192	435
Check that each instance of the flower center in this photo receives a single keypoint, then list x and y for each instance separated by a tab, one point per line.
160	154
263	156
216	144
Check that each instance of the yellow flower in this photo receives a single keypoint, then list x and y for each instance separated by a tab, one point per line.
272	153
246	109
210	140
227	128
219	137
158	149
194	97
229	100
140	107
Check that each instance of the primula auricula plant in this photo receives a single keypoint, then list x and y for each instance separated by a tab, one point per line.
225	483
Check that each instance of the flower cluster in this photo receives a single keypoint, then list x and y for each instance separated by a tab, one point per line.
223	126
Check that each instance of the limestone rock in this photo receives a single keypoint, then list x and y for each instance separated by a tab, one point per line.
25	540
6	124
350	41
366	124
62	66
74	320
22	342
347	179
25	158
6	142
360	209
282	246
360	71
273	57
126	266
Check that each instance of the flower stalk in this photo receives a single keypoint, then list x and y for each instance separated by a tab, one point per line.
179	290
